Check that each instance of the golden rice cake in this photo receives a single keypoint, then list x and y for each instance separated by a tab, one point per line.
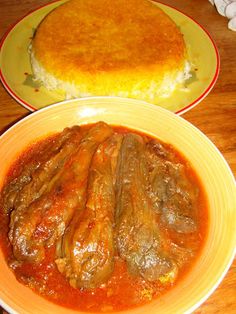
102	47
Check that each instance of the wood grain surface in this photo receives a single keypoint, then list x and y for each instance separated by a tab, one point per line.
215	115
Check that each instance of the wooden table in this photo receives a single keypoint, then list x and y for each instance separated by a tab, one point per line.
215	115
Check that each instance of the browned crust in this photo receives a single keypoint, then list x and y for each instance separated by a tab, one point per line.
90	36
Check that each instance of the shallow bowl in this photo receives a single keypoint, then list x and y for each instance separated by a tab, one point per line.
215	175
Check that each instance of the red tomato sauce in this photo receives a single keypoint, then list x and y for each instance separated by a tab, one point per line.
122	291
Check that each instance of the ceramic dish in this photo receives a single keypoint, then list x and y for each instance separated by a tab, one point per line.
217	179
16	74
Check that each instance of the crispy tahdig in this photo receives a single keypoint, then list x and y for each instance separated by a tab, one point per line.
117	48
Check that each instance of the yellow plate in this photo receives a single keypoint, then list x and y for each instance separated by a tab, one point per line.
218	182
16	74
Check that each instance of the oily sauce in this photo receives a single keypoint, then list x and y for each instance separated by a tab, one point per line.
121	291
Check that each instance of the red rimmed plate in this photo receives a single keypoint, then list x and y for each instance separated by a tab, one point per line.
16	73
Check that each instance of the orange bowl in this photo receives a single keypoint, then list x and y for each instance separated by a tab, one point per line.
217	179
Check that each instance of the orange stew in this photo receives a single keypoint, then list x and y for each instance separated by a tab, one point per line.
122	290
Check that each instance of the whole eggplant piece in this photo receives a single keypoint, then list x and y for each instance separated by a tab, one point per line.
87	248
44	220
139	240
